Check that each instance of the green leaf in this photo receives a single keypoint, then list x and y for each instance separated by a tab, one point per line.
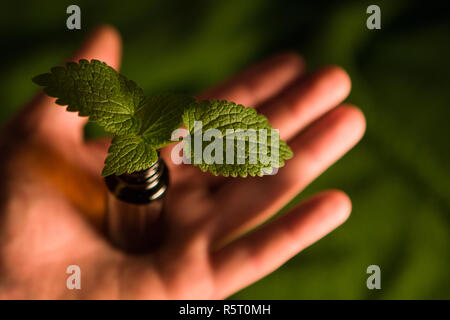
129	154
96	90
223	115
141	126
161	115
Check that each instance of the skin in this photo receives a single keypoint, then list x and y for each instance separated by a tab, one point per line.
52	195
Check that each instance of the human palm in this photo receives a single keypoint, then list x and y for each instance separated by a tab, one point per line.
52	195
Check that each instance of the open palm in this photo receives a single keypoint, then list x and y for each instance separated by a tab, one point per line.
52	196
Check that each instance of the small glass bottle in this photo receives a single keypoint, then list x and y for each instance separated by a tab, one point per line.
135	221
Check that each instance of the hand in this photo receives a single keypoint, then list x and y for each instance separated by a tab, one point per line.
52	195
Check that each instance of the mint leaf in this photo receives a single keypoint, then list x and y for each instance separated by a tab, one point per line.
96	90
128	154
161	115
223	115
141	126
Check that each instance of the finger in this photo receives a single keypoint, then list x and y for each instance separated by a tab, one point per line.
259	253
103	44
260	81
251	201
306	100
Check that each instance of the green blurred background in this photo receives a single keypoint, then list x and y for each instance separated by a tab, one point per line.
398	177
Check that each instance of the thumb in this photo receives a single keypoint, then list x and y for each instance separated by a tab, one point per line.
51	120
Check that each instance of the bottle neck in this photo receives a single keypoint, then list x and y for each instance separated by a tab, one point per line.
140	187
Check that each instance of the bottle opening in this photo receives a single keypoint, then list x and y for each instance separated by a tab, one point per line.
140	187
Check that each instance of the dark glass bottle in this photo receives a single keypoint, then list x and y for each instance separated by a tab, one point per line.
135	205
